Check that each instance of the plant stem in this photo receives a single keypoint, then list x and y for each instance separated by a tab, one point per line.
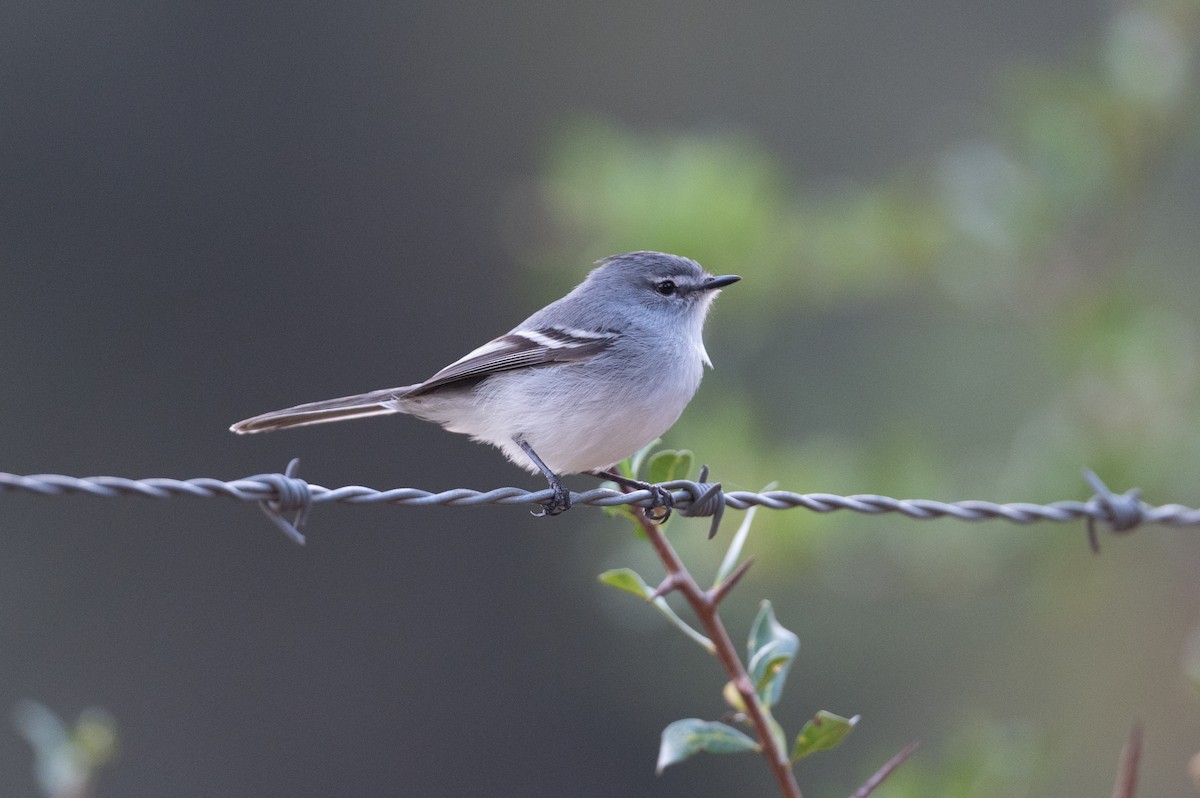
705	607
1127	774
888	769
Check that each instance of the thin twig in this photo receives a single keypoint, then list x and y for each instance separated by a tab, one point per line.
1127	771
888	768
679	578
718	593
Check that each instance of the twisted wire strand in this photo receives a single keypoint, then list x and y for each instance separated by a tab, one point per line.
279	494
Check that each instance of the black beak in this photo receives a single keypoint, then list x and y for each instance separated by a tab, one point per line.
718	282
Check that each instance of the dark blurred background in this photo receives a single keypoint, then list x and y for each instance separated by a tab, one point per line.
968	236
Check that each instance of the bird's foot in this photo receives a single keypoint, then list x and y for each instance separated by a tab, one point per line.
560	502
661	503
661	500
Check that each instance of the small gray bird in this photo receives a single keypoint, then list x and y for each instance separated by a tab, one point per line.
577	387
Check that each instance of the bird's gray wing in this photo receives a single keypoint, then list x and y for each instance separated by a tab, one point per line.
521	349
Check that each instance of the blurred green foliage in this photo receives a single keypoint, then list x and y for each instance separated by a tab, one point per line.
66	759
983	322
984	759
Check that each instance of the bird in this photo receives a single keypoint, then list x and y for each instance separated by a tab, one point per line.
576	388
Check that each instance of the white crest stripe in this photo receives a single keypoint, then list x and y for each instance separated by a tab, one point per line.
563	337
545	338
582	335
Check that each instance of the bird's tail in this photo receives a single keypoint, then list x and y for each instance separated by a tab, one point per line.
375	403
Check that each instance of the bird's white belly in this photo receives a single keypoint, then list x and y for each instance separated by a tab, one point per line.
576	426
579	446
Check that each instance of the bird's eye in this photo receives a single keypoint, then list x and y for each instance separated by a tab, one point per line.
666	287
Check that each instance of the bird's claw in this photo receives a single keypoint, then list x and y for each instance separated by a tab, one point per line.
661	503
559	503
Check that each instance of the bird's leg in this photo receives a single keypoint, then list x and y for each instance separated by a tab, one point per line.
561	501
660	497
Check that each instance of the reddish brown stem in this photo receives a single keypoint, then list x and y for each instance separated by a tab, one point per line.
888	768
1131	755
718	593
705	607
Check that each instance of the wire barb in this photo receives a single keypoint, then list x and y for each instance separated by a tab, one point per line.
1121	512
705	499
291	495
281	494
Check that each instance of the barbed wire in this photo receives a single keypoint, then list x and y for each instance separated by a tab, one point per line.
283	494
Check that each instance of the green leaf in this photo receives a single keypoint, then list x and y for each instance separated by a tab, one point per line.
732	697
772	649
777	732
633	465
669	465
629	467
739	540
685	738
770	669
619	511
824	732
628	580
